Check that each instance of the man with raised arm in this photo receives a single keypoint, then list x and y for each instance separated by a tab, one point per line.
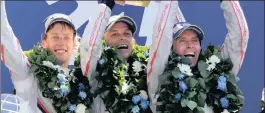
187	42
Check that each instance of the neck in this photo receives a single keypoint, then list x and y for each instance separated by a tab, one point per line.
62	63
194	68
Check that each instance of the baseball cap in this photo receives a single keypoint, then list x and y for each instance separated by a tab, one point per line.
58	17
121	18
180	27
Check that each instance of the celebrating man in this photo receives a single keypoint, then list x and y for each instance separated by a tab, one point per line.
187	43
119	34
59	39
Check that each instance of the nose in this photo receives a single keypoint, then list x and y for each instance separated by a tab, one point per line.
122	37
61	41
189	45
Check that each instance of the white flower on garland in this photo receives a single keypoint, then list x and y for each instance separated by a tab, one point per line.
212	61
106	48
48	64
185	69
81	108
101	61
143	94
56	88
125	87
137	66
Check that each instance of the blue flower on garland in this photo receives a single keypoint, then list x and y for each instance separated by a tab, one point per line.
178	96
64	89
136	99
180	76
72	107
224	102
182	86
221	83
82	94
81	86
135	109
144	104
61	78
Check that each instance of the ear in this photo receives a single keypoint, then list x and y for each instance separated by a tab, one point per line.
76	42
133	41
44	44
105	35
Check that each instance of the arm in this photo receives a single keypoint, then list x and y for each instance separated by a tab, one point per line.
90	47
13	58
11	53
236	40
168	14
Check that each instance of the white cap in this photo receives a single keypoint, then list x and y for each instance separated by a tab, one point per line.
121	18
58	17
180	27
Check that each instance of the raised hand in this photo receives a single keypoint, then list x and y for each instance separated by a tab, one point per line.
109	3
120	2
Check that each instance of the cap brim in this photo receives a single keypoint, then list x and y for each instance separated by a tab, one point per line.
128	20
194	28
61	20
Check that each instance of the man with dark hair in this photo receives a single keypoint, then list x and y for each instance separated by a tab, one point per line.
119	33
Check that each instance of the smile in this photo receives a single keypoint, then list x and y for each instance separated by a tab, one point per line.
190	54
122	46
60	51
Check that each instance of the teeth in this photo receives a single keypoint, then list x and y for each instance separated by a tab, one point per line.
123	45
60	51
190	54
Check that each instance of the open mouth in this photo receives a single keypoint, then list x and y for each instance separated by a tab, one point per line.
191	54
60	50
122	46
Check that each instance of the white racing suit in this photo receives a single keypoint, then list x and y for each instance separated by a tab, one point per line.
90	52
90	56
14	59
234	46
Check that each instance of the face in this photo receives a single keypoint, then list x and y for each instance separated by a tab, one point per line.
188	45
60	41
120	36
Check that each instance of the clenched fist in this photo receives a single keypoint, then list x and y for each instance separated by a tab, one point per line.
120	2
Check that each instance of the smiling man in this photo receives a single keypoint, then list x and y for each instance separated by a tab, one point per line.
59	38
119	33
187	41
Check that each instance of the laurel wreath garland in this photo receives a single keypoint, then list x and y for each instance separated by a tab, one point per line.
68	89
184	91
123	84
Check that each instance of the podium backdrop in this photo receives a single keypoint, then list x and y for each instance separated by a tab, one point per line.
26	19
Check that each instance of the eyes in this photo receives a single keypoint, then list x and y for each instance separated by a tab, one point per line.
55	37
186	41
125	34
